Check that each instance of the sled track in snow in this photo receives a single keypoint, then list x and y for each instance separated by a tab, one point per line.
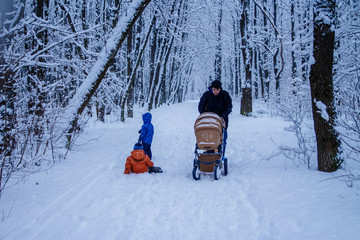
71	196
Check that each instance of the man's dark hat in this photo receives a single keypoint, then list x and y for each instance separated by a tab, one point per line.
216	84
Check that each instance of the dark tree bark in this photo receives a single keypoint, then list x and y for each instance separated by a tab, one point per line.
246	99
237	60
152	64
275	57
130	98
293	57
246	102
218	53
321	83
84	21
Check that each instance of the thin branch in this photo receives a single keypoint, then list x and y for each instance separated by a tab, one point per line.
266	14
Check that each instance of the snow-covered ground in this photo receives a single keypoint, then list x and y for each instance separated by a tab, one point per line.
87	196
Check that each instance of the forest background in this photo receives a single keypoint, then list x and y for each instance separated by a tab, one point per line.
63	62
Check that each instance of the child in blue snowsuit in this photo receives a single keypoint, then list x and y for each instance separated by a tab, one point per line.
146	134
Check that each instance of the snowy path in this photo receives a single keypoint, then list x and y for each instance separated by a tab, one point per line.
88	197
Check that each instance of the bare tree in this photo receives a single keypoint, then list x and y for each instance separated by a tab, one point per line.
347	78
101	66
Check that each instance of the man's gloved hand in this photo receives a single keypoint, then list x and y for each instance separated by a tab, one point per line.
223	120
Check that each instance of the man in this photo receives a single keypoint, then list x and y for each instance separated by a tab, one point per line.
218	101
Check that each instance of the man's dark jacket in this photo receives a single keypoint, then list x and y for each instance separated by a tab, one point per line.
220	104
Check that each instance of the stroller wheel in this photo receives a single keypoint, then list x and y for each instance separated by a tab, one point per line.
225	166
217	172
196	173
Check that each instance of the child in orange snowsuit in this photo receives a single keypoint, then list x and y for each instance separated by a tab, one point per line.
138	161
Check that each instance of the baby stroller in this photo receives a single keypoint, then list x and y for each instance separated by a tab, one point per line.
209	148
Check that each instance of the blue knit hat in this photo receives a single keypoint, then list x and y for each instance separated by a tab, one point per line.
138	146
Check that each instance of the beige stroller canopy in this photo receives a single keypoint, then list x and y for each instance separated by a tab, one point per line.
208	130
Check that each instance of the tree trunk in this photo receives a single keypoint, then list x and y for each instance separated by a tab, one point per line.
246	99
162	87
275	59
246	102
218	53
106	56
153	63
293	57
134	70
266	81
162	56
130	97
321	83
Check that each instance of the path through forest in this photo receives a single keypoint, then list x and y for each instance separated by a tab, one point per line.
87	196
